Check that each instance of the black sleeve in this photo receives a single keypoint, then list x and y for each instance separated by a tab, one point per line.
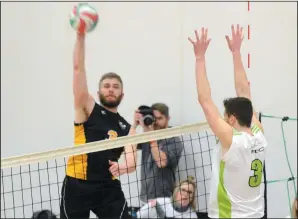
126	125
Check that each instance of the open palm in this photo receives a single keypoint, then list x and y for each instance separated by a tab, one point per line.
237	38
201	44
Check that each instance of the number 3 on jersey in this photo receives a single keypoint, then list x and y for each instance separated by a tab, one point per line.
256	179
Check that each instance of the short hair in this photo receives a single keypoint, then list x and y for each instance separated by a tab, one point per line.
162	108
110	75
241	108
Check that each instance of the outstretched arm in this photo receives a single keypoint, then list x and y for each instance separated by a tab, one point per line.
83	102
242	86
219	127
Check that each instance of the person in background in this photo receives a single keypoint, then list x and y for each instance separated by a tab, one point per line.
159	158
43	214
181	205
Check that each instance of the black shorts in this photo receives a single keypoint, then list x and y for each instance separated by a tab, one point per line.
105	200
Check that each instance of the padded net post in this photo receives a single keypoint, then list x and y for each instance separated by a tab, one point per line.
265	179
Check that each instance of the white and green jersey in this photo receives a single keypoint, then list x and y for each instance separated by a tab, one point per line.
236	190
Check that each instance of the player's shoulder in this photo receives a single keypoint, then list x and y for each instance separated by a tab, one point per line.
124	124
258	133
97	111
245	141
122	119
255	129
96	115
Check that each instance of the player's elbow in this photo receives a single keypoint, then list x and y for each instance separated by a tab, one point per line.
205	103
203	100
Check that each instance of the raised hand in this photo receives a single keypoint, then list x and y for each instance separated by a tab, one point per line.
138	119
237	38
201	44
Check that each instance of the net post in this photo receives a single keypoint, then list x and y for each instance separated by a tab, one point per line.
265	181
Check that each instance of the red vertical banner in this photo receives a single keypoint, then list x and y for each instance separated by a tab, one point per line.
248	35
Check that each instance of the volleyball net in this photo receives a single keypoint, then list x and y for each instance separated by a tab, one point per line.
284	128
33	182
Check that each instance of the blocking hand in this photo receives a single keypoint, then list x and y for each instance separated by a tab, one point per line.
201	44
237	38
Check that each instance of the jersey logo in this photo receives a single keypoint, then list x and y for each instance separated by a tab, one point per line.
258	150
123	126
112	134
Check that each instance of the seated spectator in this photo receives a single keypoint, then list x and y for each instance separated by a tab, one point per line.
181	205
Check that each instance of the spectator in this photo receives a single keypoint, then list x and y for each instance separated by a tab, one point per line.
159	158
181	205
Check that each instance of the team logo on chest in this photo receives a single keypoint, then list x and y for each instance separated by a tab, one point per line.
112	134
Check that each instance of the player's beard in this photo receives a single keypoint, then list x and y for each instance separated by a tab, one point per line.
110	104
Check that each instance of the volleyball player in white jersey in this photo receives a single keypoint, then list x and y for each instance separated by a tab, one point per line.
237	161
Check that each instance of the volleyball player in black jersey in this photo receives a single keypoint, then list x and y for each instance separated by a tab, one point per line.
90	183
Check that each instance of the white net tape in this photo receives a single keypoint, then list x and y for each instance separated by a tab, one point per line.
102	145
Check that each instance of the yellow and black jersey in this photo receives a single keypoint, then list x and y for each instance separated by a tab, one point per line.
101	124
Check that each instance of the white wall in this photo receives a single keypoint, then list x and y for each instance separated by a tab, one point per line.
146	43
